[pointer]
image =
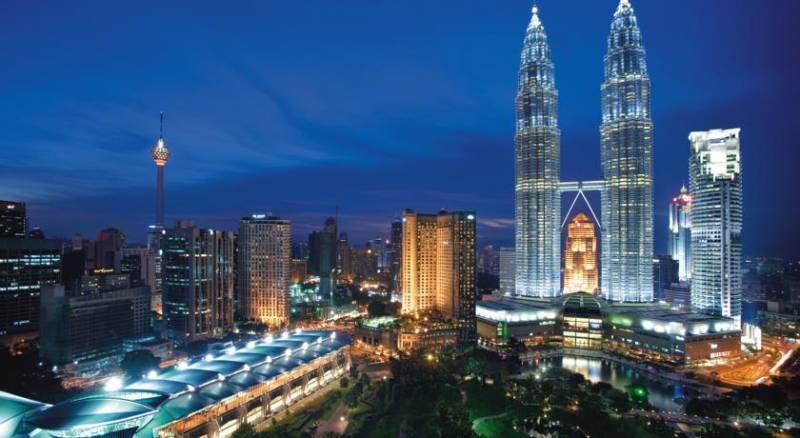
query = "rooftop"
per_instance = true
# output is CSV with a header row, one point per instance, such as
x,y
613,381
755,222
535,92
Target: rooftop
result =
x,y
167,395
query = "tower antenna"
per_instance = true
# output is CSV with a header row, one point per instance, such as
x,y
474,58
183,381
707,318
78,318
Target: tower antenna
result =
x,y
161,127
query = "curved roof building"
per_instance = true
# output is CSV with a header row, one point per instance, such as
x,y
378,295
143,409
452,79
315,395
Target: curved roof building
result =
x,y
210,396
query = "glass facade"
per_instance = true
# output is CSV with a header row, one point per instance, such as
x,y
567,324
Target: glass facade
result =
x,y
538,163
580,256
715,181
627,161
25,265
197,281
680,233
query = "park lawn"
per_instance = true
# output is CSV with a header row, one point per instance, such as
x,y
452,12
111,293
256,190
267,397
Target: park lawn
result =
x,y
497,428
484,400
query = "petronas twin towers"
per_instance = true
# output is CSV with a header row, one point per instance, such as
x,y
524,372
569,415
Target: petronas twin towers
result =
x,y
626,155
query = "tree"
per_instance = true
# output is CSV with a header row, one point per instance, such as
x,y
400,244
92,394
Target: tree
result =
x,y
138,362
245,431
454,422
377,308
343,382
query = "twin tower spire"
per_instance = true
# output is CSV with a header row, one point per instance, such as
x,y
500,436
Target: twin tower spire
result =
x,y
626,153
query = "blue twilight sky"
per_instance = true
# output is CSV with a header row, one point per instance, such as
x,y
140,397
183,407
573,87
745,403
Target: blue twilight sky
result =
x,y
297,107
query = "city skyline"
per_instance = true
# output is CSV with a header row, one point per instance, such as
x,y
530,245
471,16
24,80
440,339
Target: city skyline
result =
x,y
222,157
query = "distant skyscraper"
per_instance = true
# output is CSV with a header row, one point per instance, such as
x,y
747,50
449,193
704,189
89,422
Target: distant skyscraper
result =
x,y
680,233
580,256
197,281
13,219
487,261
439,266
715,181
665,274
627,161
397,252
264,268
344,261
507,260
538,163
322,255
108,249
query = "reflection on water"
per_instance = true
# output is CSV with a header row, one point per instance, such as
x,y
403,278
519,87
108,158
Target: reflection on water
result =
x,y
663,396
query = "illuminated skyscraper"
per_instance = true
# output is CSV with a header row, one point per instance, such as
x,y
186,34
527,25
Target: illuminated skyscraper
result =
x,y
680,233
627,161
438,266
715,181
538,162
13,220
197,281
506,260
580,256
264,268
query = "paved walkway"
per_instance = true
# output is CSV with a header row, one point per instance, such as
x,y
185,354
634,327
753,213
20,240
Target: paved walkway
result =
x,y
335,424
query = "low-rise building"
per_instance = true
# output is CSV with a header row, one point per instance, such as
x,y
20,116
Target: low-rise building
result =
x,y
649,331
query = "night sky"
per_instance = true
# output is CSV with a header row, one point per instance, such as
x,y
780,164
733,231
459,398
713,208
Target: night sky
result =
x,y
297,107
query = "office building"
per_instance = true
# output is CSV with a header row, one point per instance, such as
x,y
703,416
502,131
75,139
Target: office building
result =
x,y
715,182
108,250
665,273
85,329
538,164
507,261
580,256
439,267
264,268
25,265
13,220
344,260
136,261
679,242
396,243
197,281
322,256
627,161
488,262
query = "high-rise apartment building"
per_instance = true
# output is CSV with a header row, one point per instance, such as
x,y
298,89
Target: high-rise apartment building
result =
x,y
197,281
715,182
438,266
507,260
538,164
580,256
627,162
13,220
679,243
264,268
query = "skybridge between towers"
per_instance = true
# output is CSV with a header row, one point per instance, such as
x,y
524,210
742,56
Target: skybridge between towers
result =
x,y
579,187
